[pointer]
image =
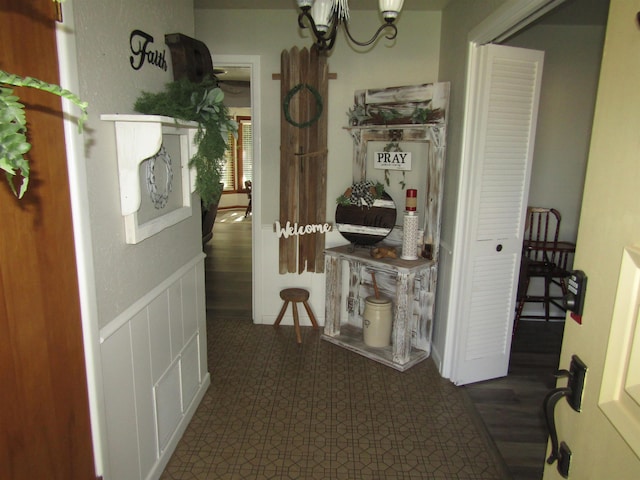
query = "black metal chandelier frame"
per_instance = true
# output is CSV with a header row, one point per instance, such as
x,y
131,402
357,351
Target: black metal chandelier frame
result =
x,y
325,40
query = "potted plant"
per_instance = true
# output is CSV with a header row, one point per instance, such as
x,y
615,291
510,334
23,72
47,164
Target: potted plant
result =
x,y
202,103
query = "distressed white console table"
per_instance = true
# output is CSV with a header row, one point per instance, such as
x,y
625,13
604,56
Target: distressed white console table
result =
x,y
410,284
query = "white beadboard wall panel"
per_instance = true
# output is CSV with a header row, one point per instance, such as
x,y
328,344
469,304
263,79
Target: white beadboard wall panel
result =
x,y
189,304
159,335
146,419
190,371
175,318
168,404
201,310
120,406
155,373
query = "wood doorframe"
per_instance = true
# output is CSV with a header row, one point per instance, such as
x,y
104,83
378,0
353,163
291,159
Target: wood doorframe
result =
x,y
511,17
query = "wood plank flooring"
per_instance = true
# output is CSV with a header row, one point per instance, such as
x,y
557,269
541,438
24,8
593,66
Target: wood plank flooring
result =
x,y
228,269
510,407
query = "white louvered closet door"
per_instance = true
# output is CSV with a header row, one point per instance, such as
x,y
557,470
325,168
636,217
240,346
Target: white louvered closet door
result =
x,y
506,110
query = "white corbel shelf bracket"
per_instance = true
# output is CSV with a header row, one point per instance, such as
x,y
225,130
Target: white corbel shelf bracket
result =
x,y
139,137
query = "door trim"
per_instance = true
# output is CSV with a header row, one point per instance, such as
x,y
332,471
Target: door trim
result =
x,y
79,193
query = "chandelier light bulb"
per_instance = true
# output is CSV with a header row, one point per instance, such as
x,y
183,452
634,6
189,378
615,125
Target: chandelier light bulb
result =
x,y
390,9
321,12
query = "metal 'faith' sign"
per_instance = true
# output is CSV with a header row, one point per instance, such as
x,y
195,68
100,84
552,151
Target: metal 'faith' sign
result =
x,y
392,160
141,51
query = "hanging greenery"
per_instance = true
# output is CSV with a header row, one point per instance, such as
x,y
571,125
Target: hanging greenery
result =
x,y
202,103
393,147
13,126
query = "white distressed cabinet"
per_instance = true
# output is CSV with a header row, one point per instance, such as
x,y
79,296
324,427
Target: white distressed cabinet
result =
x,y
410,284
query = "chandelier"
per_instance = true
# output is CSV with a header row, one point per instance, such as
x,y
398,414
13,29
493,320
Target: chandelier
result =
x,y
324,17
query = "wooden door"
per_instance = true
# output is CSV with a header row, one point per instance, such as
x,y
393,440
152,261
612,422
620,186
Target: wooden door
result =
x,y
501,147
604,437
45,428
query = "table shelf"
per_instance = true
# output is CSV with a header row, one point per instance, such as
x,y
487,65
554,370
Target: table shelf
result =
x,y
410,284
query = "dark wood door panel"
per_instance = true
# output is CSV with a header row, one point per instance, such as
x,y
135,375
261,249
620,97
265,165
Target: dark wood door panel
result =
x,y
44,420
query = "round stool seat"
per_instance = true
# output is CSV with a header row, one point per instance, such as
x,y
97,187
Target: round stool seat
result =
x,y
294,294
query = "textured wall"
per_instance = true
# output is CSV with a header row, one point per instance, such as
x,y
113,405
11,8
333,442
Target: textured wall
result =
x,y
110,85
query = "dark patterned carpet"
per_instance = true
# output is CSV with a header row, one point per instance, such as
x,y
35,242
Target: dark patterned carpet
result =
x,y
276,410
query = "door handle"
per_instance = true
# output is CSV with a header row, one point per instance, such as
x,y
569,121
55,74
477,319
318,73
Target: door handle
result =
x,y
573,393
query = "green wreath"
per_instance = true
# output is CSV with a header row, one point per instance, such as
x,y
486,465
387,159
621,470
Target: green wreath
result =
x,y
287,100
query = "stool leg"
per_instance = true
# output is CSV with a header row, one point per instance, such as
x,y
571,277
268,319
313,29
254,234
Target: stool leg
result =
x,y
296,322
311,315
281,314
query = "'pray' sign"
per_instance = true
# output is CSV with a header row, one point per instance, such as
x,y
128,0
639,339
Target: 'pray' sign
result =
x,y
392,160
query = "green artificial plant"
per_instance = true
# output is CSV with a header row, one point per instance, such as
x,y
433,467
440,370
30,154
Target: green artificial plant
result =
x,y
13,125
202,103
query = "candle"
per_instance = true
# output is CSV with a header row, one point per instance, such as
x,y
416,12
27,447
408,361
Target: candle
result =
x,y
412,200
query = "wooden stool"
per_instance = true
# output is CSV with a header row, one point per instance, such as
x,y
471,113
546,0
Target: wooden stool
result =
x,y
295,295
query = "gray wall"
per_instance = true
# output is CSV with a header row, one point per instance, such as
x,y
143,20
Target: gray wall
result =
x,y
108,82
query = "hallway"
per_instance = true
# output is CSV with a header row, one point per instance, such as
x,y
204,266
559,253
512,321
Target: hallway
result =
x,y
277,410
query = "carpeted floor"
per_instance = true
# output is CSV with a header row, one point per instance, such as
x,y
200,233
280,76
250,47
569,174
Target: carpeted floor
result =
x,y
276,410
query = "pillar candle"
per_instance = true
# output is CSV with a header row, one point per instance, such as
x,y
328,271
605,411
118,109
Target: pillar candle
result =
x,y
412,200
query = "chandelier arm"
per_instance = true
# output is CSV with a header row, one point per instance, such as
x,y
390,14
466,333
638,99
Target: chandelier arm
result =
x,y
324,40
389,36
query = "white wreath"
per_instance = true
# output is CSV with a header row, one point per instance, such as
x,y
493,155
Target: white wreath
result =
x,y
159,200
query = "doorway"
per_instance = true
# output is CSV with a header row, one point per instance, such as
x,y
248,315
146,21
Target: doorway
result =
x,y
460,319
239,79
573,46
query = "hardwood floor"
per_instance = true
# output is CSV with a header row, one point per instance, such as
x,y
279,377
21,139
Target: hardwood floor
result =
x,y
228,271
510,407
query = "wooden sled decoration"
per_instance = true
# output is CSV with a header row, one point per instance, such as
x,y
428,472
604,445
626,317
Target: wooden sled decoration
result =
x,y
303,157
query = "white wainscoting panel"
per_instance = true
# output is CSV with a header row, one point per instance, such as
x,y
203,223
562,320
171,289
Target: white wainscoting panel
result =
x,y
154,358
159,335
168,404
146,418
120,406
190,371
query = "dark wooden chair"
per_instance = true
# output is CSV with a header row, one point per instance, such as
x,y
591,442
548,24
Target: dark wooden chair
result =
x,y
247,186
543,256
